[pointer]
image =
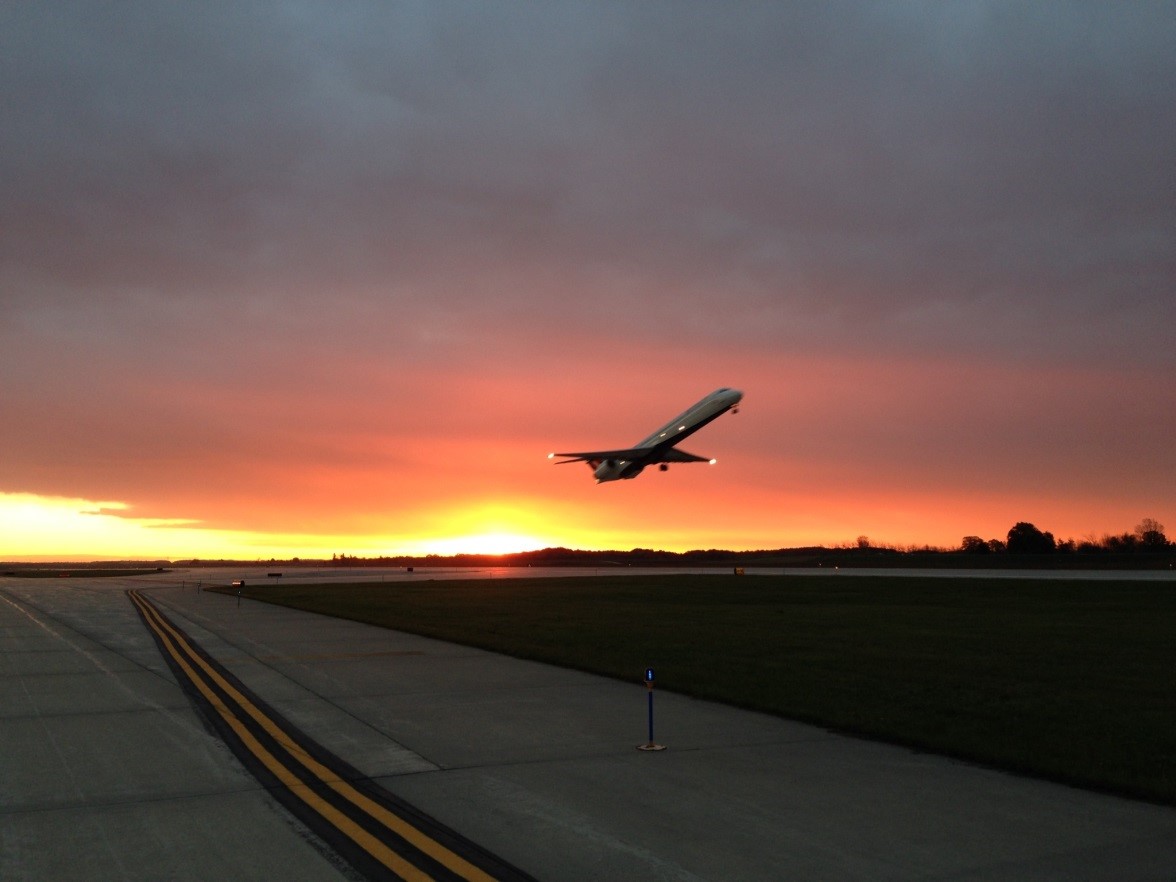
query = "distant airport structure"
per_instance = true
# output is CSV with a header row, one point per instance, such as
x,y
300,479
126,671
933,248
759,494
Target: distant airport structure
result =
x,y
660,446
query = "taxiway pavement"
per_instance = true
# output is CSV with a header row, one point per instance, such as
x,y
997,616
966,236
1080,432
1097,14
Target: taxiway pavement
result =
x,y
107,770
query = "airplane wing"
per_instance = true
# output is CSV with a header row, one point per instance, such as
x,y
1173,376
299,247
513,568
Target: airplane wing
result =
x,y
630,453
676,455
646,454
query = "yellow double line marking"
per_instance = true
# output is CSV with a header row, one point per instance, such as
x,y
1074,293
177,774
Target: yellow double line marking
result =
x,y
182,652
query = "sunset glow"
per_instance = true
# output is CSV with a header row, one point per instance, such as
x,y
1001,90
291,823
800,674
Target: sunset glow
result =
x,y
302,285
102,531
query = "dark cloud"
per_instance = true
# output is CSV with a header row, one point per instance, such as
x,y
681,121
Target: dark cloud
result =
x,y
873,155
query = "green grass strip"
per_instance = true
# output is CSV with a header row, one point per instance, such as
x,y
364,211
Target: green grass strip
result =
x,y
1074,681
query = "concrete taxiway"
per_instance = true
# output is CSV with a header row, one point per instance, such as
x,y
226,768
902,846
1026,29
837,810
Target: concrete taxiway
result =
x,y
108,771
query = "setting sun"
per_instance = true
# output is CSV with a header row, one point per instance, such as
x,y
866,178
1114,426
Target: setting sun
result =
x,y
487,527
483,543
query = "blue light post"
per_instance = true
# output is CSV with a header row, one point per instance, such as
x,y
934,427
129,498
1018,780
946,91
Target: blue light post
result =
x,y
650,744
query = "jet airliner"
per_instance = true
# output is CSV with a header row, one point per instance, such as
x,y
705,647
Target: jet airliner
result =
x,y
659,447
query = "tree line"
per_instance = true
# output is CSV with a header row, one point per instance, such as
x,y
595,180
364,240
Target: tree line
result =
x,y
1025,538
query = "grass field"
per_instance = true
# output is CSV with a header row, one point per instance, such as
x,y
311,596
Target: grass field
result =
x,y
1070,680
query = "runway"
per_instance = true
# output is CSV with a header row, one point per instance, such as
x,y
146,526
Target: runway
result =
x,y
110,770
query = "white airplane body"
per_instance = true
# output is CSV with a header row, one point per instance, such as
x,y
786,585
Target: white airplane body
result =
x,y
659,447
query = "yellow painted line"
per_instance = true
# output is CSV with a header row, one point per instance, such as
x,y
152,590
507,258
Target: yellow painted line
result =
x,y
393,822
365,840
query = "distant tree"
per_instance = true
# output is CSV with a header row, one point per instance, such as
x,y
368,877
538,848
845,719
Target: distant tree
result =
x,y
1150,534
1121,542
1024,538
863,542
996,546
974,545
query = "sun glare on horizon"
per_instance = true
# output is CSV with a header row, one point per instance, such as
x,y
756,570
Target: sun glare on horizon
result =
x,y
36,527
481,543
62,529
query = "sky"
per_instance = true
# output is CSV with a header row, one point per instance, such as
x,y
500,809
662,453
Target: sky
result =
x,y
298,279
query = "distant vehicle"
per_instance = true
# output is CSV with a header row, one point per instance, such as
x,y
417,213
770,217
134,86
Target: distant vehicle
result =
x,y
659,448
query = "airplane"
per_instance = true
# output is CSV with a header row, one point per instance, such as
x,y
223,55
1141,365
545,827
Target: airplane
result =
x,y
660,447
